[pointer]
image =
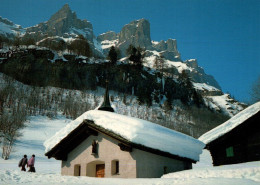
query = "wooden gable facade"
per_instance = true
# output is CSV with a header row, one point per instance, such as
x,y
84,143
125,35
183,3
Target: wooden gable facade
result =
x,y
241,144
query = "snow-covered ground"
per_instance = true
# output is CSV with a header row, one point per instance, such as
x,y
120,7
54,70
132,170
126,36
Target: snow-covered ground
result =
x,y
40,128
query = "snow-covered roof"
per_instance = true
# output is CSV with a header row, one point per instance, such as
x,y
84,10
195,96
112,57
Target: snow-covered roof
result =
x,y
230,124
136,131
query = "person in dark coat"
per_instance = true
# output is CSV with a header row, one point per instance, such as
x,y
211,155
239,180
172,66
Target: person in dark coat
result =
x,y
31,164
23,162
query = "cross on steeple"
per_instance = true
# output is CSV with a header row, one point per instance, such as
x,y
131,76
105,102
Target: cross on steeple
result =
x,y
106,106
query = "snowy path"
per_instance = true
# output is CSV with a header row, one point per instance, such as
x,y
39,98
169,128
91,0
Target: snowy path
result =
x,y
248,174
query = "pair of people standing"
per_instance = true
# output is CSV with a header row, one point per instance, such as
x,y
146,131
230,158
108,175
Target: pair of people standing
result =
x,y
30,163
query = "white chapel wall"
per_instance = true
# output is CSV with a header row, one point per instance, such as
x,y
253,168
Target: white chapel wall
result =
x,y
133,164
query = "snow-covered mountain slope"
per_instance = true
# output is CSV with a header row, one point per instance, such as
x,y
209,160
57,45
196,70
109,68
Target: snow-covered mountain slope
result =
x,y
224,103
205,87
176,67
9,29
107,44
216,100
64,25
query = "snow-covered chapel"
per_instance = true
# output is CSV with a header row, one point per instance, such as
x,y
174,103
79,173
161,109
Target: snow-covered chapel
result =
x,y
101,143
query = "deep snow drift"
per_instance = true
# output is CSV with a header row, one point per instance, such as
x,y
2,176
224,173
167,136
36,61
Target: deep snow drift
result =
x,y
48,170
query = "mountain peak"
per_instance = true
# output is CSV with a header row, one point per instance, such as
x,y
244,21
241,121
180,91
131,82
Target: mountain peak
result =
x,y
64,12
63,23
66,7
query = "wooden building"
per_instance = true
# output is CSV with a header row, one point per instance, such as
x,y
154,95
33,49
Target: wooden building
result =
x,y
237,140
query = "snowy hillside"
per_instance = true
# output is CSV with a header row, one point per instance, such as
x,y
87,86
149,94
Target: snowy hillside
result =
x,y
213,97
64,25
37,130
224,103
48,170
8,28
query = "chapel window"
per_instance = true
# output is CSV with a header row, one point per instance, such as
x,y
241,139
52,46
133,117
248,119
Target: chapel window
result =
x,y
115,167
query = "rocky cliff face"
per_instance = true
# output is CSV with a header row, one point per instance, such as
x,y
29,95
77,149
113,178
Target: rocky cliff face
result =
x,y
136,33
63,23
198,74
110,35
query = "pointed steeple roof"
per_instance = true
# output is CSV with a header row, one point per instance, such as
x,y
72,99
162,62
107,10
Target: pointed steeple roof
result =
x,y
106,106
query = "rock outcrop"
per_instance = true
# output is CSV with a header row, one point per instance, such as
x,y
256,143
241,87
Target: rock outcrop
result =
x,y
168,49
63,23
110,35
136,33
198,74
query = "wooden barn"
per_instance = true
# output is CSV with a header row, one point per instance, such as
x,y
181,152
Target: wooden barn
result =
x,y
237,140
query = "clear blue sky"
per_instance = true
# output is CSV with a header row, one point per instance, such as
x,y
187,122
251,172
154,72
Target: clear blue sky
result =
x,y
223,35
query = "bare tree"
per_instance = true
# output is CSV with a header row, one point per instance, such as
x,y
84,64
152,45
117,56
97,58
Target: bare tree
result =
x,y
9,131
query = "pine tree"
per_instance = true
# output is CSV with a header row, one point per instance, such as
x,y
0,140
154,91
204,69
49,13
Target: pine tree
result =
x,y
112,55
187,87
135,55
160,64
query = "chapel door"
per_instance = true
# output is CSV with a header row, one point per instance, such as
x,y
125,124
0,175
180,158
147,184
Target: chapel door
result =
x,y
100,170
